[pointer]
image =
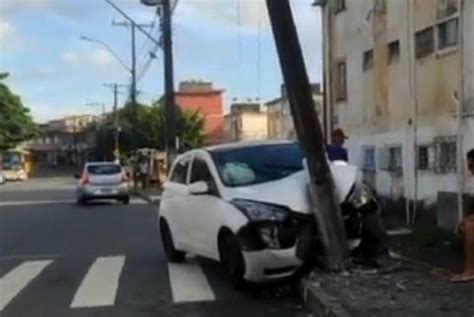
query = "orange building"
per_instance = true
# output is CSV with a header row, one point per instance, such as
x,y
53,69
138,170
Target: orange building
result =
x,y
201,96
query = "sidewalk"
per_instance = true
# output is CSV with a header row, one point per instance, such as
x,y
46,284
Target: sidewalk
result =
x,y
419,287
151,195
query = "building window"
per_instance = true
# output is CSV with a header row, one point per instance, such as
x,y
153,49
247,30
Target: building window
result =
x,y
448,34
446,8
339,5
445,154
368,60
423,157
424,42
393,51
395,163
369,159
341,81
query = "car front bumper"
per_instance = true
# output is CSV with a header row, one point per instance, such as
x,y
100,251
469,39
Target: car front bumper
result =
x,y
268,265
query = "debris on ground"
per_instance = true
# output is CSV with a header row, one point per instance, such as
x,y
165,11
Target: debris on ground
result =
x,y
406,290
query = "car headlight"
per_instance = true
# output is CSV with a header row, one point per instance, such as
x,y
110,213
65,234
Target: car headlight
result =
x,y
360,196
257,211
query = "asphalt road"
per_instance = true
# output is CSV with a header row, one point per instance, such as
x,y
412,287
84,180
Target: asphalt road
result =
x,y
59,259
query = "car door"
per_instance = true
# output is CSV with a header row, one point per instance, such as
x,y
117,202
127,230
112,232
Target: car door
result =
x,y
208,209
174,196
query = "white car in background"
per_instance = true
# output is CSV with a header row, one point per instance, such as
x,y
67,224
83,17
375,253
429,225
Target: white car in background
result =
x,y
3,179
246,205
103,180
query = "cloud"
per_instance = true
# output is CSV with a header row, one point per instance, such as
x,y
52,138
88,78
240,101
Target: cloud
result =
x,y
96,58
61,7
9,35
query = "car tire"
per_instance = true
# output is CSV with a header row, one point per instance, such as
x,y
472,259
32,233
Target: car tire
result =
x,y
232,259
81,201
173,255
126,201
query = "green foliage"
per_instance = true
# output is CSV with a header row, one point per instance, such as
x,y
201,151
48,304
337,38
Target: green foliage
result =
x,y
16,124
151,129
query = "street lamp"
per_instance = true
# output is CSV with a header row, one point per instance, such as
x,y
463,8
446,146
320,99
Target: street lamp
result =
x,y
109,49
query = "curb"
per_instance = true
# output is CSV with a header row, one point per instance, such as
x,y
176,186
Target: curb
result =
x,y
318,302
146,198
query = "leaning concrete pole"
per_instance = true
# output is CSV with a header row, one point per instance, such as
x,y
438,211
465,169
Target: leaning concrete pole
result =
x,y
327,213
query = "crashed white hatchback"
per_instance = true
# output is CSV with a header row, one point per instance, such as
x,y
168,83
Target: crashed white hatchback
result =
x,y
246,205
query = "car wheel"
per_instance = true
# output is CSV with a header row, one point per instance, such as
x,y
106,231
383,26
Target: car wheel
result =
x,y
81,201
232,259
173,255
126,201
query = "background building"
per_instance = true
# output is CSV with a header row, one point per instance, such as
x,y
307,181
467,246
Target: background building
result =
x,y
280,122
201,96
395,70
63,142
246,122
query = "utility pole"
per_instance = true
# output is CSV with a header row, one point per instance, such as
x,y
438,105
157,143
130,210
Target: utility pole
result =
x,y
330,228
171,140
133,86
115,90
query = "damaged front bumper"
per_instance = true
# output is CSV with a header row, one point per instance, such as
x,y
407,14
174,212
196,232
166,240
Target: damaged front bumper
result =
x,y
271,249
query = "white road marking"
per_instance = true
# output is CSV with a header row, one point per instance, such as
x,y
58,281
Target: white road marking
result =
x,y
55,202
12,283
188,283
28,257
36,202
100,284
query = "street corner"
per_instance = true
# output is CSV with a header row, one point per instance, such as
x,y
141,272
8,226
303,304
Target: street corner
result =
x,y
407,290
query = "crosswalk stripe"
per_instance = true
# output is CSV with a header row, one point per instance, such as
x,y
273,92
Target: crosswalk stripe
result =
x,y
12,283
188,283
100,284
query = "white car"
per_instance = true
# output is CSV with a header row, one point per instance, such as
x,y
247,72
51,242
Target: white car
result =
x,y
246,205
3,179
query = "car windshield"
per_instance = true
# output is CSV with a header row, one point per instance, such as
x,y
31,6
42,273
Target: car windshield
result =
x,y
257,164
111,169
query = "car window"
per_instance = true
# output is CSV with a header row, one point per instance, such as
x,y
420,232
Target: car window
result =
x,y
111,169
257,164
200,172
180,171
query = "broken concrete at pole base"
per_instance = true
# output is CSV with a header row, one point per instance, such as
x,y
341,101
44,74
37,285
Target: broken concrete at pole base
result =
x,y
407,291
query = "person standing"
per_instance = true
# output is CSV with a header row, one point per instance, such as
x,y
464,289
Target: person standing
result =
x,y
336,150
144,170
468,227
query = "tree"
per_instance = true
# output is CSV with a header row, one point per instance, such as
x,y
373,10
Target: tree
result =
x,y
16,123
151,129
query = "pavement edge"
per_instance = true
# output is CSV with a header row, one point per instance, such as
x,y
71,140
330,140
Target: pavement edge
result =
x,y
318,302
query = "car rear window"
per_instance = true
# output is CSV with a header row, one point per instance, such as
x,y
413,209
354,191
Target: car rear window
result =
x,y
111,169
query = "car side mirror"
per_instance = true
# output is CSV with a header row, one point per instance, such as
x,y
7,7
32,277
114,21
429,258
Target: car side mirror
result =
x,y
198,188
77,176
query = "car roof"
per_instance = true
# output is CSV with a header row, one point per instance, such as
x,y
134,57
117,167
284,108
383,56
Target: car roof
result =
x,y
245,144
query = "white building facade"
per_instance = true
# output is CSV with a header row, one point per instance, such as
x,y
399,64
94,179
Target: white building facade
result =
x,y
396,72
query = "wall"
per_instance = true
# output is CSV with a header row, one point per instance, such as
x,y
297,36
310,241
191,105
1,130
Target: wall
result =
x,y
254,126
211,107
402,102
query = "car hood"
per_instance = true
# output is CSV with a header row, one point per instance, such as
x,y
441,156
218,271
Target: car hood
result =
x,y
292,191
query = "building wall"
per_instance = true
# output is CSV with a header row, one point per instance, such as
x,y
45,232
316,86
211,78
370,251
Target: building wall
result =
x,y
274,109
398,102
210,104
246,126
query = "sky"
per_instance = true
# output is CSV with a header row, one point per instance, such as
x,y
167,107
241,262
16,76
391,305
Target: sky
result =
x,y
228,42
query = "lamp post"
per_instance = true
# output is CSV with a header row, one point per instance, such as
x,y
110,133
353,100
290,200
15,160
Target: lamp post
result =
x,y
109,49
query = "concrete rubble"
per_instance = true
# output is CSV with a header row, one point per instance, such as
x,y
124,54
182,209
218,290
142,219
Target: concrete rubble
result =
x,y
406,291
